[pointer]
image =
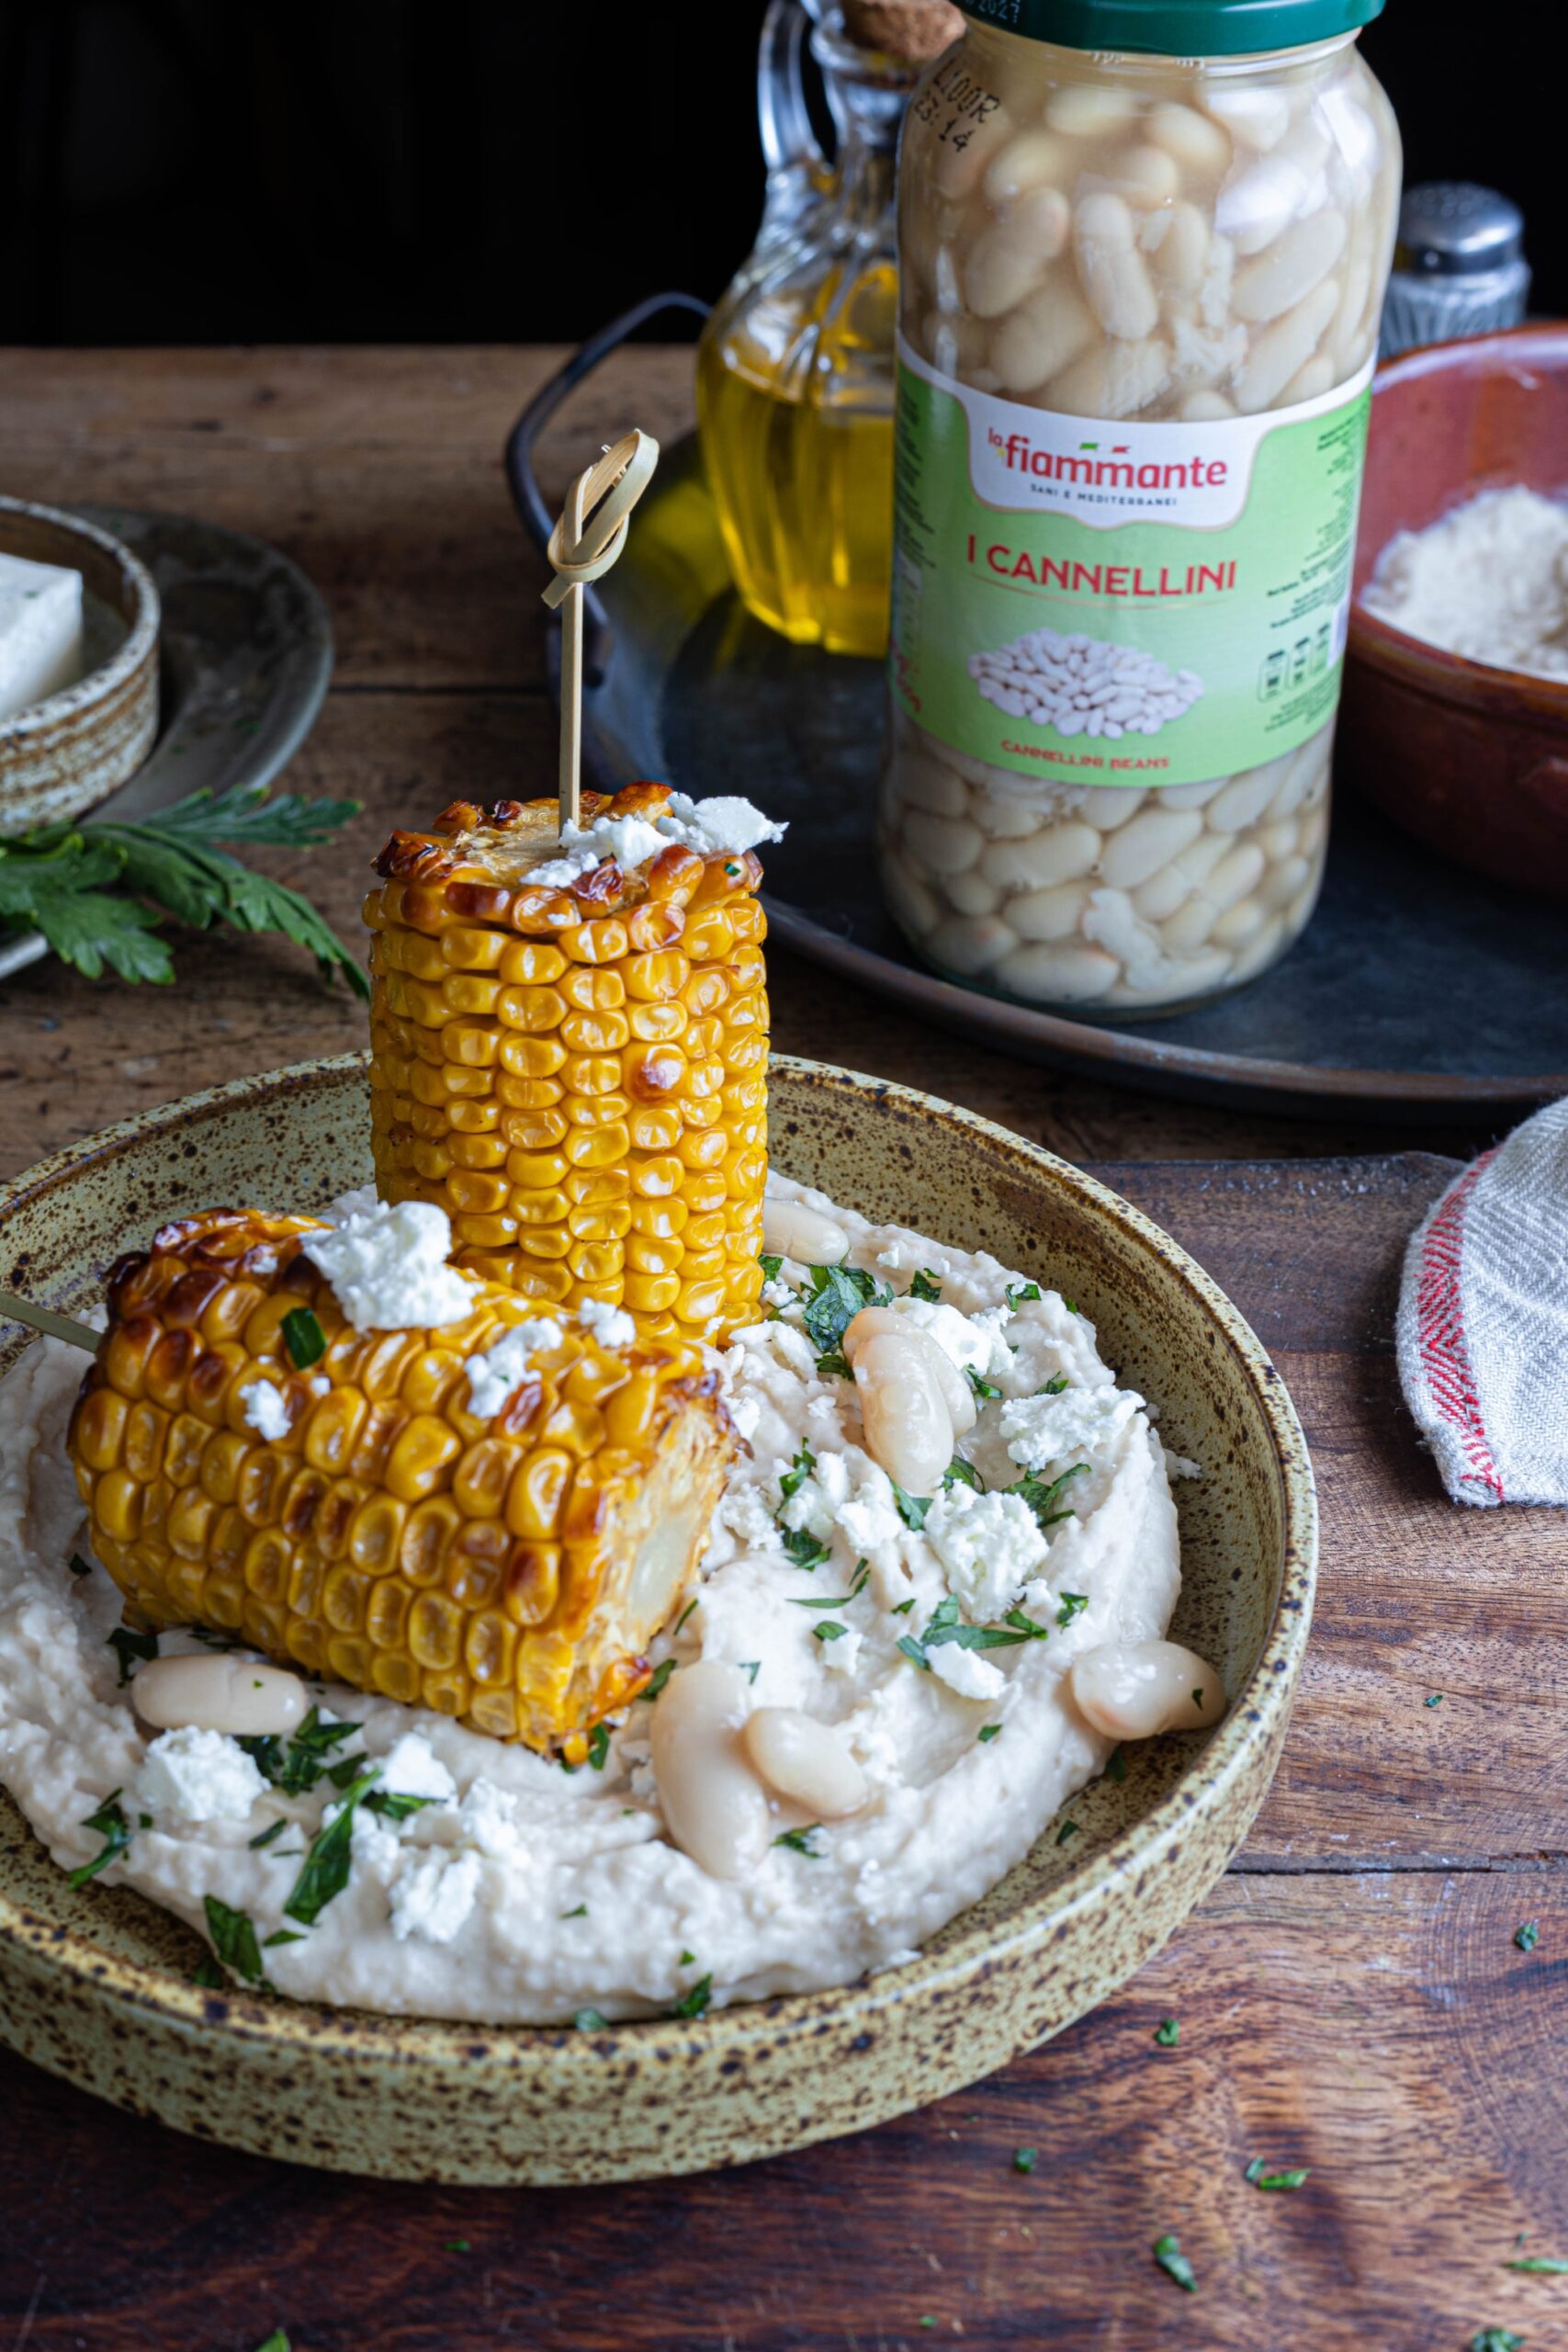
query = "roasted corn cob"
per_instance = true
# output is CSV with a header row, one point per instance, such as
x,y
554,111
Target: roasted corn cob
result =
x,y
508,1569
576,1075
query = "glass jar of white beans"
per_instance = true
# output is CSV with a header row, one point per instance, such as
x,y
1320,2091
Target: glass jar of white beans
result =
x,y
1140,286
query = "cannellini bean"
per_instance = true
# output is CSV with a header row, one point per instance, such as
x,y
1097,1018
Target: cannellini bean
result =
x,y
1355,285
958,169
909,1429
1206,408
805,1762
966,943
1132,1689
1234,875
1284,347
1182,254
1309,381
1196,144
1190,926
1009,820
1239,924
1265,946
956,1393
1243,800
1087,109
1109,806
1048,914
1289,267
1148,843
926,784
1112,272
713,1804
1192,796
947,845
1056,854
1043,336
792,1230
1162,893
1059,975
1040,221
1255,118
1145,175
999,273
1113,380
1029,160
911,902
973,895
236,1695
1252,208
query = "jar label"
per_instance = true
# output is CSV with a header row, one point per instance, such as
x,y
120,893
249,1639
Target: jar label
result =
x,y
1121,602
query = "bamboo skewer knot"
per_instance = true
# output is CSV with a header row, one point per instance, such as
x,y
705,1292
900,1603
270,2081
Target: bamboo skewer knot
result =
x,y
584,544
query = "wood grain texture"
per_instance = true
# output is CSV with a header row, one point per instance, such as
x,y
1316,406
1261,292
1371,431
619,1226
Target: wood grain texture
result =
x,y
1350,1996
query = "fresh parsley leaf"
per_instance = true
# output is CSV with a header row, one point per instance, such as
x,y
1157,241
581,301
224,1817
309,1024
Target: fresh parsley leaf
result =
x,y
392,1805
580,1913
1069,1829
912,1508
274,1829
131,1650
770,1264
1016,1294
1025,2159
1259,2179
1173,2263
1042,1498
695,2002
304,1337
750,1667
1496,2339
837,1295
983,1389
209,1975
829,1632
306,1757
945,1626
326,1870
959,1470
687,1610
1116,1765
275,2342
599,1741
112,1827
280,1936
1057,1385
902,1608
799,1470
815,1601
1435,1700
234,1941
1529,1935
661,1677
1167,2033
925,1285
457,2246
1072,1604
988,1732
798,1841
802,1548
590,2022
1545,2266
1071,1305
834,1367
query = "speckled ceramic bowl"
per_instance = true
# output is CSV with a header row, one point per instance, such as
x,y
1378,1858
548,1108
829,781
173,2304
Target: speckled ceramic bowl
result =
x,y
96,1986
61,757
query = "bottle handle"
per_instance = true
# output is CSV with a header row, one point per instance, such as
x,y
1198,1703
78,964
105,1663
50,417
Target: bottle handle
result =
x,y
798,172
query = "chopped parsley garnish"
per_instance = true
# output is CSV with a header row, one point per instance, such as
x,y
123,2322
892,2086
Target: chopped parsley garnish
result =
x,y
457,2245
661,1677
590,2022
988,1732
799,1470
802,1548
828,1631
304,1339
945,1625
752,1668
1496,2339
1069,1829
834,1367
1116,1764
599,1747
958,1469
798,1841
815,1601
1545,2266
325,1873
694,2003
131,1651
902,1608
912,1508
1259,2179
112,1827
1435,1700
1167,2033
770,1263
1529,1935
1071,1305
1025,2159
234,1941
1042,1498
1054,1386
79,1566
1072,1604
983,1389
274,1829
925,1285
306,1757
836,1296
1016,1294
686,1611
580,1913
392,1805
1173,2263
280,1936
275,2342
209,1976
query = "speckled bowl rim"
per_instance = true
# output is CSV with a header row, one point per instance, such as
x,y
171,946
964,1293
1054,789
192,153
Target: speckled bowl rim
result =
x,y
42,718
1256,1715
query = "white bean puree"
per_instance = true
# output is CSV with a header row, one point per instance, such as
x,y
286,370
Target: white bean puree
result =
x,y
494,1884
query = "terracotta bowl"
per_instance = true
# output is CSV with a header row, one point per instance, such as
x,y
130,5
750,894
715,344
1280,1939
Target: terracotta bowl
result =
x,y
96,1986
1472,760
61,756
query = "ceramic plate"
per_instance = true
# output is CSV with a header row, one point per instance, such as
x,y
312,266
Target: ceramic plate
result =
x,y
98,1985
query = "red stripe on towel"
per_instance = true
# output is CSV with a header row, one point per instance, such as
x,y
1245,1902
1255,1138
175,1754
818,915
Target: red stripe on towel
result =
x,y
1445,1352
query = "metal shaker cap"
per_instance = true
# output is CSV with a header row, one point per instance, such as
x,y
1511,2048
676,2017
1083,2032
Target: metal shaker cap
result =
x,y
1454,229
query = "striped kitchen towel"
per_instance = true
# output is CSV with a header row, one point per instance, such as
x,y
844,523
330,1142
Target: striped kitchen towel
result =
x,y
1483,1326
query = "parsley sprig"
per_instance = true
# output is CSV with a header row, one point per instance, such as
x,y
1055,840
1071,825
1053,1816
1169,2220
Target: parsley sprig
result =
x,y
112,1827
98,891
945,1625
1043,1498
296,1765
834,1299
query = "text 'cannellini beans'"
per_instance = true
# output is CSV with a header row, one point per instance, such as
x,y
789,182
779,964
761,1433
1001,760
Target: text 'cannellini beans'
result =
x,y
1132,1689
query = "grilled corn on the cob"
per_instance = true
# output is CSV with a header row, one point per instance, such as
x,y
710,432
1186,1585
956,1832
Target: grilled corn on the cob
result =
x,y
509,1569
576,1075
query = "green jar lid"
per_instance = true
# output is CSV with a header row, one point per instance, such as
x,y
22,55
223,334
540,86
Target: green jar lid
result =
x,y
1177,27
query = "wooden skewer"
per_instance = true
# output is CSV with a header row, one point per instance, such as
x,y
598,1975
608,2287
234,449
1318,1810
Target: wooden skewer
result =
x,y
44,1318
584,544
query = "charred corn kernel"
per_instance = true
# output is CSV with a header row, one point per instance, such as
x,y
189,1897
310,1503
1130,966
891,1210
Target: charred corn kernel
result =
x,y
510,1570
618,1027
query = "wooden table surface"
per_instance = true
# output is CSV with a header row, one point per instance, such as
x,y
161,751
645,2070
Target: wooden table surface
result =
x,y
1350,1997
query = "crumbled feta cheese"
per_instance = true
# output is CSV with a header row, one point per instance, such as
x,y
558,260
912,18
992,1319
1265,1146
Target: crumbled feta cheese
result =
x,y
779,1293
388,1267
319,1385
610,1326
375,1844
410,1768
264,1409
488,1817
809,1511
493,1375
199,1776
745,1412
711,827
963,1670
954,1334
1180,1466
1045,1431
989,1546
869,1518
434,1894
840,1656
743,1514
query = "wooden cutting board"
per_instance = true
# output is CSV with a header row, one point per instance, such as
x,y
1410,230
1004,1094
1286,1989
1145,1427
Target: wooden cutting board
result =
x,y
1350,1999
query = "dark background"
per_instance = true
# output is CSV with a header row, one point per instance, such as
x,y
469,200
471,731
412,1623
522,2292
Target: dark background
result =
x,y
209,171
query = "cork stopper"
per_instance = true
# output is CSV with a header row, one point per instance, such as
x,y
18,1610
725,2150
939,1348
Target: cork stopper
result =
x,y
910,31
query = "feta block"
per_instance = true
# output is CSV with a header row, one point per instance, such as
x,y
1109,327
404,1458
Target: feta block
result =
x,y
1048,1432
40,632
198,1776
